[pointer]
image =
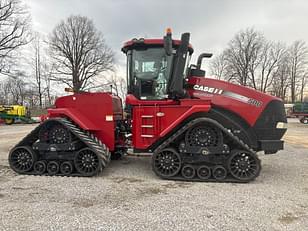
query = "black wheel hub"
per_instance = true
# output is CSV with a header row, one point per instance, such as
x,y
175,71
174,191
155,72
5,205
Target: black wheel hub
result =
x,y
203,136
244,165
21,159
166,163
87,162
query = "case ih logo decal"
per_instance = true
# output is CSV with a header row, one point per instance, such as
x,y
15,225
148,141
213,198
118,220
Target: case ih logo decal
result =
x,y
242,98
206,89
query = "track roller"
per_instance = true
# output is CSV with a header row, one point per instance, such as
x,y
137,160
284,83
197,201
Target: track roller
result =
x,y
66,168
53,168
40,167
204,172
188,172
22,159
219,173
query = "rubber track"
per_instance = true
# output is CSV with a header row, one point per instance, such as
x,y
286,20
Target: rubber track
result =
x,y
86,137
227,132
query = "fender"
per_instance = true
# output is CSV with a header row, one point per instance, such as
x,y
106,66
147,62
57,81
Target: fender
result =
x,y
212,113
74,115
194,109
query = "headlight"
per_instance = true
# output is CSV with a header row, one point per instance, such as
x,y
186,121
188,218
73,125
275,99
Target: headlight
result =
x,y
281,125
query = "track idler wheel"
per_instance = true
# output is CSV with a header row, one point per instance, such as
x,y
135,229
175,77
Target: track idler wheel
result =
x,y
219,173
40,167
204,172
188,172
66,168
87,162
243,165
53,168
22,159
166,163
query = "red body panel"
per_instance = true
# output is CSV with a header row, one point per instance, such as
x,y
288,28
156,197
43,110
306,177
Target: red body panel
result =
x,y
96,112
155,119
247,103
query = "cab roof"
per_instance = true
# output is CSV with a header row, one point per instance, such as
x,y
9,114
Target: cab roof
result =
x,y
142,43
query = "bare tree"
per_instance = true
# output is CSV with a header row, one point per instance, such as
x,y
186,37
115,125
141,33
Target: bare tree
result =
x,y
269,58
298,60
14,29
281,77
250,60
303,84
79,52
219,65
4,92
37,66
15,89
48,70
118,84
242,55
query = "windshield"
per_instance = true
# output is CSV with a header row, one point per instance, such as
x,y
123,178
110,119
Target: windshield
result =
x,y
149,72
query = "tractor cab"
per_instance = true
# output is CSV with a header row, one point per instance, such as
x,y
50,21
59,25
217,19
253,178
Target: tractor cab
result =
x,y
156,67
149,72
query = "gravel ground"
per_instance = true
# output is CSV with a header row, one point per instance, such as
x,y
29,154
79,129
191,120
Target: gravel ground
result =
x,y
128,196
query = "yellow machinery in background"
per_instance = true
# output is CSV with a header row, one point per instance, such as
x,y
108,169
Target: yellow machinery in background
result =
x,y
10,113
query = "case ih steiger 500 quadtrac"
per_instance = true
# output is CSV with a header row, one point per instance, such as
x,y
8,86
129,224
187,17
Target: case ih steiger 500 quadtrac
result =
x,y
196,128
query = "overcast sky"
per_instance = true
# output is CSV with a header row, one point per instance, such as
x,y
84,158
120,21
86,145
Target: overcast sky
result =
x,y
211,23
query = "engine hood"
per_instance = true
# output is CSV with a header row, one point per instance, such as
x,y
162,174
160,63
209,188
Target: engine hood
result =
x,y
244,101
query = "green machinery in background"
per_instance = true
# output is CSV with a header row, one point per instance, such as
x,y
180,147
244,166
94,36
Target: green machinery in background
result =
x,y
300,110
11,113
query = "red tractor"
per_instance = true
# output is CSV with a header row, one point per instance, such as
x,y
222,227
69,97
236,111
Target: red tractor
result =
x,y
197,128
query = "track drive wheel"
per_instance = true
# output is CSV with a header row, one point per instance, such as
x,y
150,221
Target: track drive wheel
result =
x,y
59,134
55,133
166,163
204,135
22,159
87,162
243,165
